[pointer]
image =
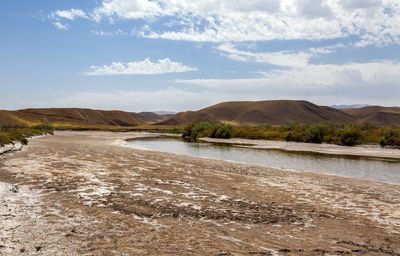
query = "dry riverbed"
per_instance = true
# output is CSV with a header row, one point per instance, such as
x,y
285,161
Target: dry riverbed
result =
x,y
85,193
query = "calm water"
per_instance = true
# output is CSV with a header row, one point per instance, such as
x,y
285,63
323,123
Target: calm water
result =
x,y
358,167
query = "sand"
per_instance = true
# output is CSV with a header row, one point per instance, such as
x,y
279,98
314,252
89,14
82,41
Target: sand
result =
x,y
87,193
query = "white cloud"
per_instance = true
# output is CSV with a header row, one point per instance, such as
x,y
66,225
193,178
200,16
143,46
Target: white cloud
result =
x,y
145,67
137,9
60,26
282,58
314,9
101,33
353,81
69,14
119,32
360,4
171,98
326,49
374,21
372,83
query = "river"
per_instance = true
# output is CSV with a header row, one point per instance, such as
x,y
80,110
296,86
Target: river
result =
x,y
377,169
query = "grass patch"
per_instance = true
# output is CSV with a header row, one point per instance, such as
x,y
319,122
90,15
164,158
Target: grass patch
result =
x,y
144,128
20,133
327,132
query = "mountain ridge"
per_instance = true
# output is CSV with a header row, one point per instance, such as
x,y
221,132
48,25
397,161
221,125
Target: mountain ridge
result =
x,y
68,117
376,115
274,112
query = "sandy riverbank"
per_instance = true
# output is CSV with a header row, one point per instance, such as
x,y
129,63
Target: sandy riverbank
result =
x,y
84,193
360,150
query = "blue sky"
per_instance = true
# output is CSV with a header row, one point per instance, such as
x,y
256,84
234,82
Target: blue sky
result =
x,y
147,55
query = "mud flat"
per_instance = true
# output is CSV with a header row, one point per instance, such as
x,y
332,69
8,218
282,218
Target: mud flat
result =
x,y
85,193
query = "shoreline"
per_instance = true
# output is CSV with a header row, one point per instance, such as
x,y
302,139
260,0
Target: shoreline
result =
x,y
9,148
328,149
393,181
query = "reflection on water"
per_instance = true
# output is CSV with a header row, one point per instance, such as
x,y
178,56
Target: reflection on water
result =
x,y
358,167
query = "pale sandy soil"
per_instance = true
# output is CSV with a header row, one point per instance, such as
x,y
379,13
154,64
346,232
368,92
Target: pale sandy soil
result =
x,y
87,194
361,150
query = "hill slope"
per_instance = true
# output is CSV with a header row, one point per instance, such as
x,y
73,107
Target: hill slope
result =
x,y
274,112
9,119
69,117
389,116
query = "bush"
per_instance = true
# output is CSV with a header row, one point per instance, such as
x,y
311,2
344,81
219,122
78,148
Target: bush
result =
x,y
294,126
222,131
337,133
4,140
44,128
16,136
350,135
391,137
188,130
314,134
294,136
197,129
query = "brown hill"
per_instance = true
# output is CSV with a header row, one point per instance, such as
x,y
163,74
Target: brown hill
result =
x,y
387,116
9,119
69,117
273,112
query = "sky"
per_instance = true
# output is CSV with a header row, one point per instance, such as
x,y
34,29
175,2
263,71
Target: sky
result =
x,y
177,55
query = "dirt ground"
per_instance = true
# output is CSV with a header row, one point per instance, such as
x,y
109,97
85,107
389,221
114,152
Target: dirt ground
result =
x,y
84,193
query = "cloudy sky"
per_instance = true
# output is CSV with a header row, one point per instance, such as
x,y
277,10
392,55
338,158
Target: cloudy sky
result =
x,y
146,55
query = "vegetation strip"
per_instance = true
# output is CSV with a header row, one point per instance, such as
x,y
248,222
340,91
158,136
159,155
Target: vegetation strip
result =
x,y
329,132
20,133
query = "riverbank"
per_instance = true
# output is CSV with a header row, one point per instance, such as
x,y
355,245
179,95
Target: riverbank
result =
x,y
84,193
8,148
324,148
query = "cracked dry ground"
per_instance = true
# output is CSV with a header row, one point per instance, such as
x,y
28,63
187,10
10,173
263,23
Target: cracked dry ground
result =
x,y
82,194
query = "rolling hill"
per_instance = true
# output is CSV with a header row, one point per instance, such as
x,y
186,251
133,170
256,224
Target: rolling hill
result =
x,y
68,117
388,116
273,112
8,118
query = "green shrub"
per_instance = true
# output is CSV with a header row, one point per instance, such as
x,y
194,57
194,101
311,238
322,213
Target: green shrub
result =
x,y
17,136
221,131
337,133
295,136
4,140
314,134
350,135
44,128
197,129
391,137
294,126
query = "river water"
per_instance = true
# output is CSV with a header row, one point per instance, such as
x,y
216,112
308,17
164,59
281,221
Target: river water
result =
x,y
385,170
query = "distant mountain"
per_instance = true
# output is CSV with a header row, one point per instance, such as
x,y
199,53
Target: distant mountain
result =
x,y
151,117
273,112
387,116
163,113
68,117
349,106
